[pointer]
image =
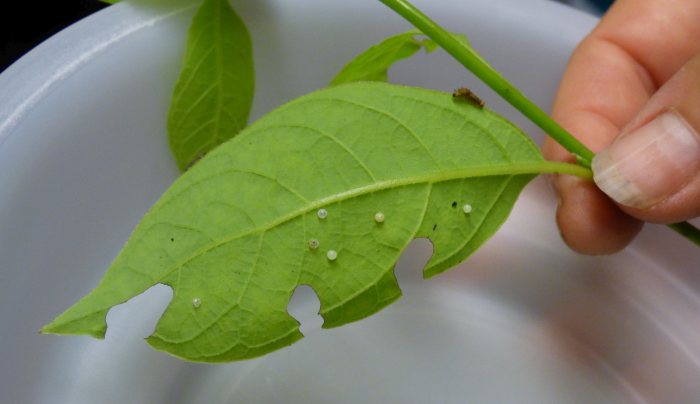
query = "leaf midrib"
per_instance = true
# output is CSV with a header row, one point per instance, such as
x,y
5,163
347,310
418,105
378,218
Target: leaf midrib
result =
x,y
430,178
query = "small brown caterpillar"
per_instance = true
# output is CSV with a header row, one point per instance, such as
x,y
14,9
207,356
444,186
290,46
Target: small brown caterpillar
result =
x,y
465,94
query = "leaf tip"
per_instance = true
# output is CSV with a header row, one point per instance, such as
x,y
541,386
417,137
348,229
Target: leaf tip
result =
x,y
62,329
94,325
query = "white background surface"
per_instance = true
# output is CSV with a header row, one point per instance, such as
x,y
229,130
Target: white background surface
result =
x,y
83,154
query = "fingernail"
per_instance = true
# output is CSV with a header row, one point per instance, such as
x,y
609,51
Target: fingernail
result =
x,y
644,167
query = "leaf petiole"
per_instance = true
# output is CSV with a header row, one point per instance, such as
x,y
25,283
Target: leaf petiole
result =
x,y
554,167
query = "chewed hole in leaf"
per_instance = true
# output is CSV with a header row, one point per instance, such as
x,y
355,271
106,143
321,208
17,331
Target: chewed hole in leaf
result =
x,y
136,318
409,267
304,306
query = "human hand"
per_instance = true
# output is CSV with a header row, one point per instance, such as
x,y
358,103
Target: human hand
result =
x,y
635,80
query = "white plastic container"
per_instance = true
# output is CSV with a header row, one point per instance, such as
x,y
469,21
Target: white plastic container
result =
x,y
83,154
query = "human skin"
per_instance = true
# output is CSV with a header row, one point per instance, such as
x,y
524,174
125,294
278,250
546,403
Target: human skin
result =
x,y
640,63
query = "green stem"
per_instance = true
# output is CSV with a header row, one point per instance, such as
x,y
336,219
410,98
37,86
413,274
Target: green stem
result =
x,y
470,59
688,231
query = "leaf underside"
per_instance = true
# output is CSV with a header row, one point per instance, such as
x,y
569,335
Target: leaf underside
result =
x,y
214,93
374,63
232,234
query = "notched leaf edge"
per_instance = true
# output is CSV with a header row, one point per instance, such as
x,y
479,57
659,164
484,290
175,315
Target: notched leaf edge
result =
x,y
335,315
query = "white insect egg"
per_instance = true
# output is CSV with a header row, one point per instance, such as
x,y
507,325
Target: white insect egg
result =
x,y
379,217
332,255
322,213
196,302
467,208
313,244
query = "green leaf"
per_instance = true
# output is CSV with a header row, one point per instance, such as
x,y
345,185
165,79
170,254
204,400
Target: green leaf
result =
x,y
232,235
374,63
214,93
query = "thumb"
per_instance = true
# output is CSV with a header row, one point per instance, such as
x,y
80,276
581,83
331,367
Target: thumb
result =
x,y
652,168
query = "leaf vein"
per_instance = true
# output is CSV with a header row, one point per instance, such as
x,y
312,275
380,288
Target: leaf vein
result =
x,y
431,178
389,115
335,140
237,303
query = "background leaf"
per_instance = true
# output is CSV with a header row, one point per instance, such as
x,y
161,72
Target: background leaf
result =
x,y
374,63
214,93
232,235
